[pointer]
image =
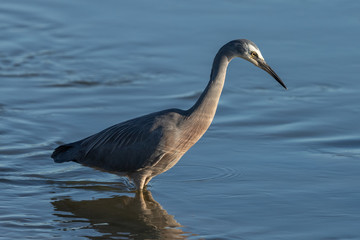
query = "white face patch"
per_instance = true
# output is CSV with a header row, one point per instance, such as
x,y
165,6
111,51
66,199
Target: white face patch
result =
x,y
254,49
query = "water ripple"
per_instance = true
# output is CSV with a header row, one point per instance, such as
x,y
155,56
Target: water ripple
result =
x,y
199,173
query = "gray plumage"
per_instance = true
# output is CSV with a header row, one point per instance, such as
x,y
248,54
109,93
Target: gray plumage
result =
x,y
144,147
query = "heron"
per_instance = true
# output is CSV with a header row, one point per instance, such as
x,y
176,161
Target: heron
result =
x,y
146,146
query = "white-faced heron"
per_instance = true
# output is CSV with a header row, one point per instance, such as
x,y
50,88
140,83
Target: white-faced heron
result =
x,y
144,147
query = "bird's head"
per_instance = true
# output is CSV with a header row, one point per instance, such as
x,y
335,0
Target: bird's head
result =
x,y
248,50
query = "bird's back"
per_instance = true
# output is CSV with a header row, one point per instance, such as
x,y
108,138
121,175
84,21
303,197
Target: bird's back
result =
x,y
127,146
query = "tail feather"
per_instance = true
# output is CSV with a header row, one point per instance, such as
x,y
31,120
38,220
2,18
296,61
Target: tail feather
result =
x,y
65,153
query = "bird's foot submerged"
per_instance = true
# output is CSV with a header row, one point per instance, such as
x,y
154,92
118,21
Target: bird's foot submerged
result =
x,y
140,180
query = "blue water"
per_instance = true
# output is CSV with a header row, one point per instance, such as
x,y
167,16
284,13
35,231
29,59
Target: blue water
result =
x,y
275,164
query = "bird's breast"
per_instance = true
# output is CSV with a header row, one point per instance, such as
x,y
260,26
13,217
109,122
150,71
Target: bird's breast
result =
x,y
192,132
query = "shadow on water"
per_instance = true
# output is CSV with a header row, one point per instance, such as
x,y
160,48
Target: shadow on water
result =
x,y
137,217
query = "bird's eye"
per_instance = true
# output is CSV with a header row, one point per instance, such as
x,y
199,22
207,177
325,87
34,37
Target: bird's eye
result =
x,y
254,54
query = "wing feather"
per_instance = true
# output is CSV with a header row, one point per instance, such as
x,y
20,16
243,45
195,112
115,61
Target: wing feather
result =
x,y
128,146
125,146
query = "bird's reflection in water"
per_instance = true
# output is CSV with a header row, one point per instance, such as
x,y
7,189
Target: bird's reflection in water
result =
x,y
138,217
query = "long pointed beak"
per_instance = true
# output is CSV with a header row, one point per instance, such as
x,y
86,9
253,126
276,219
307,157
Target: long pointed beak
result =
x,y
263,65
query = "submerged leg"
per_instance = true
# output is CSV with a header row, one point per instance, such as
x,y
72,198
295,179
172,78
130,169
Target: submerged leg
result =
x,y
138,180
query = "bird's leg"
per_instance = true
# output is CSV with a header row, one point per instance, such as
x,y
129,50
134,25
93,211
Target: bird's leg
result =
x,y
139,181
147,180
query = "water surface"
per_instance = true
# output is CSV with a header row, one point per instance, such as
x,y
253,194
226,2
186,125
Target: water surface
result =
x,y
275,164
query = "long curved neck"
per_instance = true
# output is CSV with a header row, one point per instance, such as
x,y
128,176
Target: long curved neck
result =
x,y
205,107
199,117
